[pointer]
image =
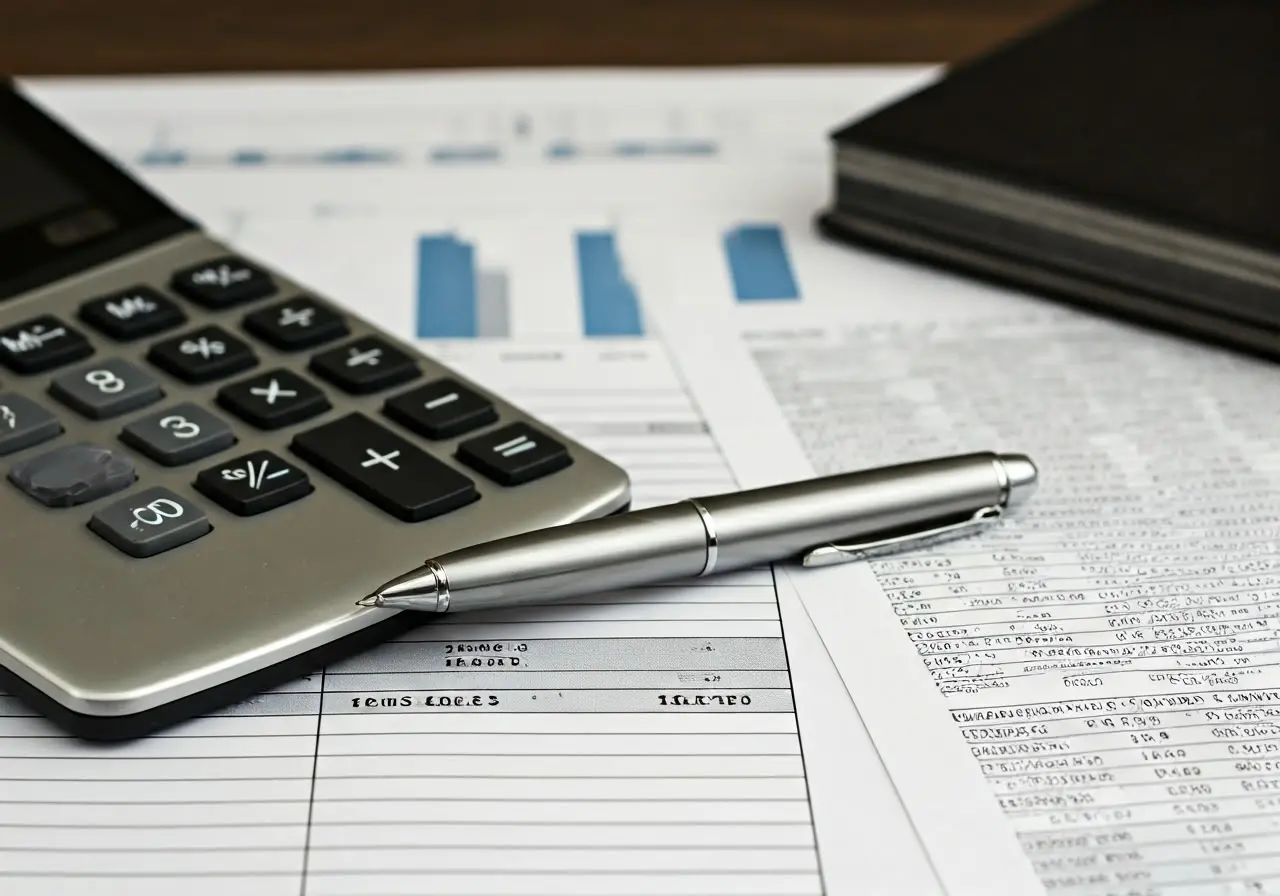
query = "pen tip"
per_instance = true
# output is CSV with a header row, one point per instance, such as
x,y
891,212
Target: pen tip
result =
x,y
373,600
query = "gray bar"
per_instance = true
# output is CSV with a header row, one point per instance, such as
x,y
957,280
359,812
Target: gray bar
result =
x,y
494,700
509,677
493,313
572,654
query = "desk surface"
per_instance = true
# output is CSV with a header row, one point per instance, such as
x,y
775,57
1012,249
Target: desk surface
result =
x,y
46,37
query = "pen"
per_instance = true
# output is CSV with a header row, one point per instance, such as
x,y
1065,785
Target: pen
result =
x,y
831,519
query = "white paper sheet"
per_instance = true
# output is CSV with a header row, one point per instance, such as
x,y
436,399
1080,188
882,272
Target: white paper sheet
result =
x,y
1092,686
567,773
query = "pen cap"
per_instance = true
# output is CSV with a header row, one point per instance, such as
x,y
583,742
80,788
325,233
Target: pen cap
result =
x,y
781,521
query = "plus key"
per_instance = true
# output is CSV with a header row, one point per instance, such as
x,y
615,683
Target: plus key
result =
x,y
384,469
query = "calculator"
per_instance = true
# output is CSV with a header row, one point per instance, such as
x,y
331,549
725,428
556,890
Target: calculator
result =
x,y
205,464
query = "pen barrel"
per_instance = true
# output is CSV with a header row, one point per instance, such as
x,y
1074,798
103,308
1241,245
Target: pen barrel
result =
x,y
782,521
576,559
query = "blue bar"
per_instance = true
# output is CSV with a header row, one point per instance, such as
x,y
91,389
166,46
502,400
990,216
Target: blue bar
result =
x,y
633,148
163,157
610,306
562,149
357,155
445,154
249,157
759,264
446,288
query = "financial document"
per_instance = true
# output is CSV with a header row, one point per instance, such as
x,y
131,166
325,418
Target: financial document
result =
x,y
1094,682
681,739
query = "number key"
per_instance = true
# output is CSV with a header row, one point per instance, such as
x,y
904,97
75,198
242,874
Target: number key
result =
x,y
178,435
24,423
150,522
106,389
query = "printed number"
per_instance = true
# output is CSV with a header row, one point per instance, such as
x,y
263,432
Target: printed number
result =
x,y
156,513
105,380
181,426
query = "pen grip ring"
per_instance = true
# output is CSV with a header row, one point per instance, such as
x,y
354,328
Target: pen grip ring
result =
x,y
713,543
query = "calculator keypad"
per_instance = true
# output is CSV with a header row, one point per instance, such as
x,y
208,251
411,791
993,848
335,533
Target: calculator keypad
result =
x,y
178,435
203,355
108,388
365,365
223,282
132,313
254,483
41,343
296,324
273,399
150,522
70,475
373,460
384,469
24,423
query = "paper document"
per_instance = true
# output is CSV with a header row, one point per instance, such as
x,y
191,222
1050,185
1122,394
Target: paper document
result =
x,y
1094,683
673,740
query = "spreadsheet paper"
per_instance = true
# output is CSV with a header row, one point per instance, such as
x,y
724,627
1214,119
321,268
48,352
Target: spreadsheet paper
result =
x,y
563,749
1092,684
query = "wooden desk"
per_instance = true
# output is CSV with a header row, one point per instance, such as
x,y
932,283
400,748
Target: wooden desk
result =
x,y
40,37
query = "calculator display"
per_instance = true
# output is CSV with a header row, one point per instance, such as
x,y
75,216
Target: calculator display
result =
x,y
63,207
31,190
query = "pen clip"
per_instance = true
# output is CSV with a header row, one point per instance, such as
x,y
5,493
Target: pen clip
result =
x,y
829,554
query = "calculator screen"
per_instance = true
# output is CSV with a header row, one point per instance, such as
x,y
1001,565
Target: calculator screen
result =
x,y
63,207
31,189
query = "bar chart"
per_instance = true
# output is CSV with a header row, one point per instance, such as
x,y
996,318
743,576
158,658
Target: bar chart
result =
x,y
610,305
551,281
759,263
457,297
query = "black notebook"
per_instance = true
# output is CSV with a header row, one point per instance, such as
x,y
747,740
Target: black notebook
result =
x,y
1125,156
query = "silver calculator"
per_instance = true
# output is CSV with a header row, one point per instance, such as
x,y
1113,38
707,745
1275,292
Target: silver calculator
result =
x,y
205,465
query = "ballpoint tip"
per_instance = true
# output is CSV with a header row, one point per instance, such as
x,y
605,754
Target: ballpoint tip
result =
x,y
372,600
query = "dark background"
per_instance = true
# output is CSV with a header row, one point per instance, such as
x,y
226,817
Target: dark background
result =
x,y
90,37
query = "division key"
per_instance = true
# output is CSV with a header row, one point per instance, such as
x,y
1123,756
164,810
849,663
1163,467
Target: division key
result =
x,y
384,469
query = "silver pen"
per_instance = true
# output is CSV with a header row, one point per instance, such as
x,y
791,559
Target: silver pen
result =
x,y
832,519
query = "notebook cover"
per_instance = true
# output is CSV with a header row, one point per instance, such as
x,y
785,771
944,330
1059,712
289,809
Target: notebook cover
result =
x,y
1163,110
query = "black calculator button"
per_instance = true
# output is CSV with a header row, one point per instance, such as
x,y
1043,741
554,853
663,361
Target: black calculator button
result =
x,y
368,364
150,522
223,282
108,388
296,324
71,475
41,343
273,399
514,454
254,483
202,355
178,435
24,423
132,313
441,410
384,469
